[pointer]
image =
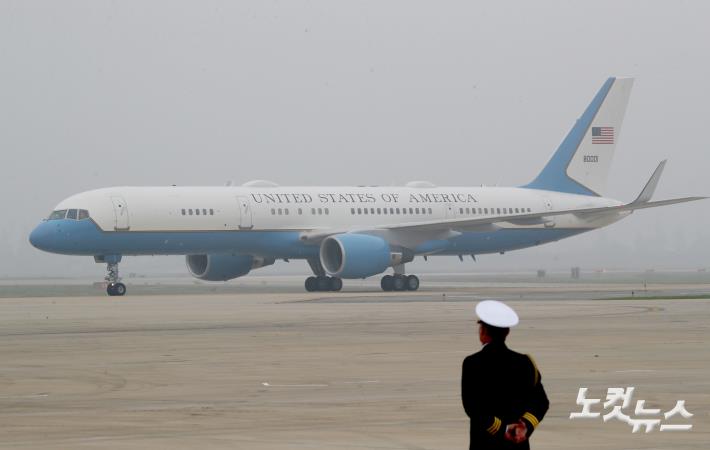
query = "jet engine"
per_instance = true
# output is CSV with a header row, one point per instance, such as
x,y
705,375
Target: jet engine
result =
x,y
355,255
223,267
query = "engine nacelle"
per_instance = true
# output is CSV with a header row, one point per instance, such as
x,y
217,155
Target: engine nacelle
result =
x,y
223,267
354,255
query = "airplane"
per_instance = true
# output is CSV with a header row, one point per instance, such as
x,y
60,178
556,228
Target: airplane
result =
x,y
353,232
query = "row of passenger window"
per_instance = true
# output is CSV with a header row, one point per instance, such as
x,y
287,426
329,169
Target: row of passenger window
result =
x,y
73,214
494,210
196,212
354,211
401,211
390,211
285,211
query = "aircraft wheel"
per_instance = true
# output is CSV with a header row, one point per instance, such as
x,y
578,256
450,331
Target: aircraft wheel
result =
x,y
386,283
412,283
336,284
323,284
119,288
116,289
311,284
399,283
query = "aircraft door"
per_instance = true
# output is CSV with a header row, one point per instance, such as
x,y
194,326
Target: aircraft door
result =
x,y
245,214
451,211
549,222
120,210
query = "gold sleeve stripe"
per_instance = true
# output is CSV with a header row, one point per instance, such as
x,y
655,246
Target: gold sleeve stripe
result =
x,y
537,372
493,429
532,419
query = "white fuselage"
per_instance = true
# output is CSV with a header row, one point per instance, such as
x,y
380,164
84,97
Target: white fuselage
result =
x,y
188,220
309,208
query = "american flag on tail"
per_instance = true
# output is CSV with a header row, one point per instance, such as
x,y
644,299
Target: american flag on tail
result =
x,y
602,135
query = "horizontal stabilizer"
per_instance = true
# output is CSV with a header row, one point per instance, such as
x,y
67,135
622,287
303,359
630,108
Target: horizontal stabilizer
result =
x,y
650,187
672,201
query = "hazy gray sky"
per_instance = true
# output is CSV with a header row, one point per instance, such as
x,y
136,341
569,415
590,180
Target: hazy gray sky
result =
x,y
100,93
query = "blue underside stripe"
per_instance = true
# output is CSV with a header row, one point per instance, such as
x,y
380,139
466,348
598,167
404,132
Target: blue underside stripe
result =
x,y
85,238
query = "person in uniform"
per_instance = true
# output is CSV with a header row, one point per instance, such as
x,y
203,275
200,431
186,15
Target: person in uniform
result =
x,y
501,389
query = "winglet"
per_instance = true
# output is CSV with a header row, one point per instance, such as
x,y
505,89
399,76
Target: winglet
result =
x,y
650,188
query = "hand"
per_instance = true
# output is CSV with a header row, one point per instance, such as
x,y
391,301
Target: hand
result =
x,y
511,432
522,432
516,432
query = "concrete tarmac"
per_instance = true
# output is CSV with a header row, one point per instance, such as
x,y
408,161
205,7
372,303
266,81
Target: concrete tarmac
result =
x,y
362,370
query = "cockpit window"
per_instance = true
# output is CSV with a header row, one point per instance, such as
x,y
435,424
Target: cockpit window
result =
x,y
57,215
71,214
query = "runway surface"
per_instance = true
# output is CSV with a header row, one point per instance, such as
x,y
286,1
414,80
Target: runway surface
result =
x,y
272,369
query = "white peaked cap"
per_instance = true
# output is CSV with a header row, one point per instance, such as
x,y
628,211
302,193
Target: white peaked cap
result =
x,y
497,314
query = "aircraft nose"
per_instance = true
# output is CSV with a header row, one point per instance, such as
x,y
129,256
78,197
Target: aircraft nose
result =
x,y
39,237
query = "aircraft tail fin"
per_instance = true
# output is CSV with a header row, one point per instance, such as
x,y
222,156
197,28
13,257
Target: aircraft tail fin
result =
x,y
582,161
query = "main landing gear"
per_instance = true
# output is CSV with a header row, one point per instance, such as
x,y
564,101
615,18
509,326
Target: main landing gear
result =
x,y
399,282
114,286
323,283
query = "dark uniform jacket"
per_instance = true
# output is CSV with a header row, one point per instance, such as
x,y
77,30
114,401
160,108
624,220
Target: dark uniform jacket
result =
x,y
500,387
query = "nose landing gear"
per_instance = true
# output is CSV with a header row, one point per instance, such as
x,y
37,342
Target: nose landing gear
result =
x,y
114,287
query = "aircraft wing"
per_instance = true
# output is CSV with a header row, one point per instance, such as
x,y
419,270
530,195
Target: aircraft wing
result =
x,y
530,218
643,201
489,223
451,227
